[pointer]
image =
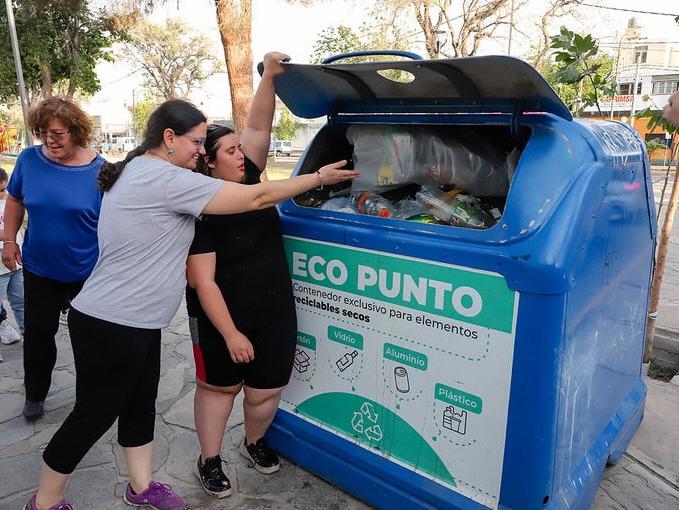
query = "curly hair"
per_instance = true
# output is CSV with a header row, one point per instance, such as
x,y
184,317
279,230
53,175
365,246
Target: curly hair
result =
x,y
65,111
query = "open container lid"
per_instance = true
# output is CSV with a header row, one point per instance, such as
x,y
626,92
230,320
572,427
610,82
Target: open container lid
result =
x,y
473,84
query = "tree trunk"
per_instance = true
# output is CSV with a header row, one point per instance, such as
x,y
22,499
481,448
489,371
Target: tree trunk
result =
x,y
74,48
71,88
663,245
235,27
46,78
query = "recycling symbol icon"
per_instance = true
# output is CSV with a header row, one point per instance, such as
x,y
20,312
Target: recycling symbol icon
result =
x,y
365,422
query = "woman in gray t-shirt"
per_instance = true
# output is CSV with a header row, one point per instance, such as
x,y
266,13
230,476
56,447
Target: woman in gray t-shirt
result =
x,y
146,226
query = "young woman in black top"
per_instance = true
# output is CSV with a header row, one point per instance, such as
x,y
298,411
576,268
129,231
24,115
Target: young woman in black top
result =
x,y
240,301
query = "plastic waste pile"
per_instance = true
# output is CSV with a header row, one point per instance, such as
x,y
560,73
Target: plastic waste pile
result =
x,y
451,178
430,205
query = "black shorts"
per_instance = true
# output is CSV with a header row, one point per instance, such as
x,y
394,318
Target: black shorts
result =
x,y
274,345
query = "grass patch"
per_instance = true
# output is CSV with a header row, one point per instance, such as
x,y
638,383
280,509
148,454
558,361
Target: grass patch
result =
x,y
277,170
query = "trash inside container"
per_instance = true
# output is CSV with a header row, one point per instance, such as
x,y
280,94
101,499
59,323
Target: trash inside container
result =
x,y
483,358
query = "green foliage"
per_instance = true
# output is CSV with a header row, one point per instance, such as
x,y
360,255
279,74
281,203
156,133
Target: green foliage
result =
x,y
579,73
61,42
655,144
343,39
142,110
335,40
655,119
286,127
173,59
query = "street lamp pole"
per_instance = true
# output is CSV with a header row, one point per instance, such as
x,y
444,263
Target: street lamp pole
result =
x,y
634,91
19,71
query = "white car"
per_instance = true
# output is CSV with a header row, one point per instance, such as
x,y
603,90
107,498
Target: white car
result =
x,y
282,148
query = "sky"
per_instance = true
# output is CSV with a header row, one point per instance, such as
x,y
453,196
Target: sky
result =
x,y
293,29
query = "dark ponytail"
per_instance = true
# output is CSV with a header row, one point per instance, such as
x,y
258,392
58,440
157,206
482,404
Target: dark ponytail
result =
x,y
110,172
178,115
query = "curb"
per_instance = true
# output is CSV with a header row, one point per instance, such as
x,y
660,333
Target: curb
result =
x,y
666,348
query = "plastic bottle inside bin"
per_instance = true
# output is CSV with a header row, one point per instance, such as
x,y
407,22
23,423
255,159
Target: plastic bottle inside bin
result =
x,y
372,204
457,210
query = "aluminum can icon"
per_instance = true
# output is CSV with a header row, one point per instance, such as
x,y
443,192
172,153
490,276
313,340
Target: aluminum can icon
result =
x,y
401,379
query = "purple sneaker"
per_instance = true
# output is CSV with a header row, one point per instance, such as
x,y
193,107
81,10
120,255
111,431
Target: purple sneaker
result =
x,y
62,505
159,496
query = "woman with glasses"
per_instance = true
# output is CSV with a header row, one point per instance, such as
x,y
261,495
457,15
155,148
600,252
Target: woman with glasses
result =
x,y
150,203
56,183
240,300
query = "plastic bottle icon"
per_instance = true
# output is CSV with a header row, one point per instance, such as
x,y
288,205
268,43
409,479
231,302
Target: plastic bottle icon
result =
x,y
346,361
372,204
401,380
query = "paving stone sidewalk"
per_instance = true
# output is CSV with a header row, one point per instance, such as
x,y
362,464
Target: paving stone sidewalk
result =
x,y
639,481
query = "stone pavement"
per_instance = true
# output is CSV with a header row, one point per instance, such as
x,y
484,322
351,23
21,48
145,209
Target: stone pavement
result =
x,y
645,478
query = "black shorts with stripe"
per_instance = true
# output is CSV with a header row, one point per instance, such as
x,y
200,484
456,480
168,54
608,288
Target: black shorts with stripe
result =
x,y
273,343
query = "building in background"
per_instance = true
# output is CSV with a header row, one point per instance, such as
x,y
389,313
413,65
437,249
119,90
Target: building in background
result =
x,y
647,75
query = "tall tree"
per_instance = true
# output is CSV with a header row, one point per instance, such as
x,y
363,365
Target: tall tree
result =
x,y
478,20
173,59
61,41
286,127
234,18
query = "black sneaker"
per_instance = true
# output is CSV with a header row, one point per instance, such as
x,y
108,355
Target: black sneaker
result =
x,y
212,478
261,457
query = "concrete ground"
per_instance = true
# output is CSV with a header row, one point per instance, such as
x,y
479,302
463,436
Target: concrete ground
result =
x,y
645,479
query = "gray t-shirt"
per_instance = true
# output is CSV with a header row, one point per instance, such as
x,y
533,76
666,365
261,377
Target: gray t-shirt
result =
x,y
146,226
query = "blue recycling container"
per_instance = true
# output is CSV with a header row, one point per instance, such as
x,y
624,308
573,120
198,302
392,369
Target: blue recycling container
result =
x,y
440,367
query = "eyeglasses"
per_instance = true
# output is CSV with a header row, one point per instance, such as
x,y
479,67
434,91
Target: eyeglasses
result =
x,y
199,142
54,135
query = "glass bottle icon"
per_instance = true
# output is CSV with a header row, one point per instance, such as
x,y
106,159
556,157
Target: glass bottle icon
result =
x,y
346,360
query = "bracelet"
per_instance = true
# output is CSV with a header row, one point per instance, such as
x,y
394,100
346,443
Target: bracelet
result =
x,y
320,179
8,241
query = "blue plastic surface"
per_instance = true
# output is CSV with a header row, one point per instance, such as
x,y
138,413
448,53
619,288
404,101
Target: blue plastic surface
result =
x,y
325,89
576,242
372,53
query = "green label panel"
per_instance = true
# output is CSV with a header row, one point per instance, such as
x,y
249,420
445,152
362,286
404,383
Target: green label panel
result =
x,y
458,398
307,341
405,356
345,337
456,293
